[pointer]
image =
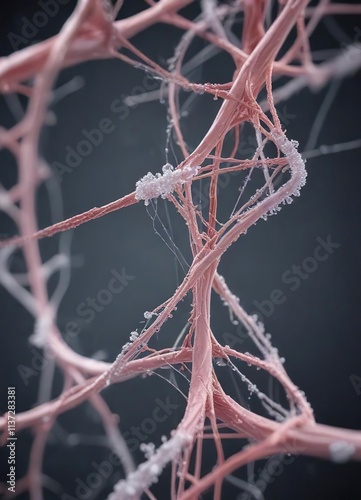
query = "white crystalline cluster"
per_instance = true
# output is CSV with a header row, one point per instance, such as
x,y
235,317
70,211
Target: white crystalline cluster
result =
x,y
297,164
148,449
341,451
147,473
41,329
298,171
133,336
152,186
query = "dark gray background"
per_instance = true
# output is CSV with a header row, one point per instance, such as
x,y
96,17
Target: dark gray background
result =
x,y
317,328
